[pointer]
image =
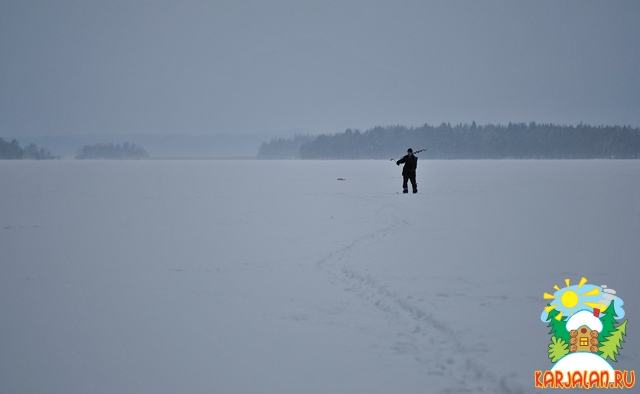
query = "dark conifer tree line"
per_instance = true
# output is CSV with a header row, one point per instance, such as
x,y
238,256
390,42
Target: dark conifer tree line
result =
x,y
280,148
471,141
13,151
111,151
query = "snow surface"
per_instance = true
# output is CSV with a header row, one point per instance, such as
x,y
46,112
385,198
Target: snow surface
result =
x,y
584,318
275,277
583,361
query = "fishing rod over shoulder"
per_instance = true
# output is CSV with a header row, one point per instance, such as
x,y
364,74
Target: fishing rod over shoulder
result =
x,y
415,153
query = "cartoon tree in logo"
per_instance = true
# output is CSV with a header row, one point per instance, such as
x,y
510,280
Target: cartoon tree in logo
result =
x,y
558,347
612,345
609,321
558,326
612,334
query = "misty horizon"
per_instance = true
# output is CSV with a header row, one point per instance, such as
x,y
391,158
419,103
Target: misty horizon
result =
x,y
609,141
194,68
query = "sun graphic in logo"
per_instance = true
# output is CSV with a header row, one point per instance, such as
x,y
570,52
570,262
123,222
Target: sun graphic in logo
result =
x,y
571,299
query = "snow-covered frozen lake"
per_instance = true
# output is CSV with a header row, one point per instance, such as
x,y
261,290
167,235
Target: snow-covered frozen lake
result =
x,y
276,277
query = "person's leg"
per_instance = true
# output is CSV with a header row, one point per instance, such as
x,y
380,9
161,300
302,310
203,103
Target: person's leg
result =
x,y
414,184
405,188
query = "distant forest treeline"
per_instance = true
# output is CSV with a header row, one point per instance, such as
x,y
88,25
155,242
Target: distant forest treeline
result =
x,y
280,148
111,151
13,151
465,141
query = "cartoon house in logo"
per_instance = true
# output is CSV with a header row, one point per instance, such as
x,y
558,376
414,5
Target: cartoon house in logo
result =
x,y
584,327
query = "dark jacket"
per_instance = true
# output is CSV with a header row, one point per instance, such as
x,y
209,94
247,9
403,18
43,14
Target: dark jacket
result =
x,y
410,164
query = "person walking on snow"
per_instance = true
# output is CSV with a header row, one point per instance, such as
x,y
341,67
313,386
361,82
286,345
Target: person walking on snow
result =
x,y
409,171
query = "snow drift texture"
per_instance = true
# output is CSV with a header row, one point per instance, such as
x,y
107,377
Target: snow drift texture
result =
x,y
276,277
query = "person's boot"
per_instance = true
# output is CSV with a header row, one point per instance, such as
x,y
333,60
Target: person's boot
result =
x,y
405,191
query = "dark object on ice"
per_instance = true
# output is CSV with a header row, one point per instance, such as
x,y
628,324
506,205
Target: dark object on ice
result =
x,y
409,170
342,179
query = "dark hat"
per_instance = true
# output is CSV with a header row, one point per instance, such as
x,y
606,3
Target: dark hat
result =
x,y
410,150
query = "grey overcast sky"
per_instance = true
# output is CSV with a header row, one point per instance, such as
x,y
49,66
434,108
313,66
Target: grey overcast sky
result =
x,y
205,67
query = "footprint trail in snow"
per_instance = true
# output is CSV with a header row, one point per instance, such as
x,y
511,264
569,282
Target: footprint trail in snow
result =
x,y
422,335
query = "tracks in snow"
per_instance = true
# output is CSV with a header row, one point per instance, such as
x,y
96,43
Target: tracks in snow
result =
x,y
422,335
